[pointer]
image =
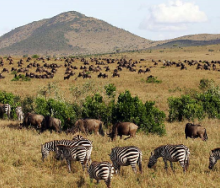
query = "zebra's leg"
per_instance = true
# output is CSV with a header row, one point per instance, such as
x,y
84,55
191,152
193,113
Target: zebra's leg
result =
x,y
165,162
69,164
171,165
133,165
97,182
108,183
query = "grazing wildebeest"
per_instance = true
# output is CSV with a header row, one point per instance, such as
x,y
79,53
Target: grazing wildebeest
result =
x,y
195,131
123,128
33,120
51,123
87,126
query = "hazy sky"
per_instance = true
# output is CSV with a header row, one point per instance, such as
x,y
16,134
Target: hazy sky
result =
x,y
155,20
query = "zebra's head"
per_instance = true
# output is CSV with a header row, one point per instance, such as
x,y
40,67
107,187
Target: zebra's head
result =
x,y
114,160
59,152
212,161
152,160
44,152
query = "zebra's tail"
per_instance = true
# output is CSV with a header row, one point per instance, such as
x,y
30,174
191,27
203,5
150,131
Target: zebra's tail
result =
x,y
140,162
109,175
186,160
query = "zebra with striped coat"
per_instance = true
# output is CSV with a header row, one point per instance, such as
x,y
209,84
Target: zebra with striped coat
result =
x,y
19,113
173,153
5,109
51,146
214,157
101,171
124,156
72,153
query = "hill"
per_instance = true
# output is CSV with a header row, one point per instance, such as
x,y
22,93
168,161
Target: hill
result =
x,y
69,33
73,33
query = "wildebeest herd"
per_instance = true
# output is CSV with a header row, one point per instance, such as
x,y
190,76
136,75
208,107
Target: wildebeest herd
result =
x,y
46,70
80,148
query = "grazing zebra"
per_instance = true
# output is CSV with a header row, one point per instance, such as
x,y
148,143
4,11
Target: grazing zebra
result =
x,y
173,153
101,171
5,109
51,146
124,156
72,153
19,113
214,156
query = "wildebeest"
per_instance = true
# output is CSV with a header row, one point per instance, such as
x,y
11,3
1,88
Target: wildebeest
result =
x,y
123,128
87,126
33,120
195,131
51,123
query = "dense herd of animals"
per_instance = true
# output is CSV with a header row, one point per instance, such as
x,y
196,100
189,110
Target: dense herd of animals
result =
x,y
80,148
86,67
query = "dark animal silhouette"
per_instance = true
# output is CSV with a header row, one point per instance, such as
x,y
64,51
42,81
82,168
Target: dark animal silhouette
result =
x,y
51,123
195,131
123,128
87,126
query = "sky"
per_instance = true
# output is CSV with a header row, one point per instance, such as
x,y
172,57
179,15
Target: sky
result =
x,y
154,20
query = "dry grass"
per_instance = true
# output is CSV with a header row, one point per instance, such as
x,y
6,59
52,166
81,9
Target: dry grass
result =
x,y
20,156
21,164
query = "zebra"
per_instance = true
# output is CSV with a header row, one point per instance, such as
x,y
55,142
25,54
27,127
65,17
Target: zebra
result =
x,y
101,171
124,156
51,146
214,157
173,153
5,109
19,113
72,153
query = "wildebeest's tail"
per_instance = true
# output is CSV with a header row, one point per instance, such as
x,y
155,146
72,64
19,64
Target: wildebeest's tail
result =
x,y
101,131
205,135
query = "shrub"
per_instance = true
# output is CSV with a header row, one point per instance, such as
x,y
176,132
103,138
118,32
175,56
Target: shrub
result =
x,y
35,56
61,110
146,116
184,108
152,79
110,90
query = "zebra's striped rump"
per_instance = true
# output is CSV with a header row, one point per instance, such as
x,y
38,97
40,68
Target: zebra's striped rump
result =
x,y
173,153
214,157
101,171
71,153
124,156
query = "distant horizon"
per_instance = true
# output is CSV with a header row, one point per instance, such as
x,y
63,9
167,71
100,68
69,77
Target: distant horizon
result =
x,y
156,21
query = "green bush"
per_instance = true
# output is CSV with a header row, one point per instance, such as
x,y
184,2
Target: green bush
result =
x,y
61,110
153,80
95,107
146,116
35,56
184,108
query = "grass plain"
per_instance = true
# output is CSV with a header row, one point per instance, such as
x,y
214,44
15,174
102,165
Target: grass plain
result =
x,y
20,156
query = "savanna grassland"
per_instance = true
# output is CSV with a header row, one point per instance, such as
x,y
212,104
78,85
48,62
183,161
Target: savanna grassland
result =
x,y
21,164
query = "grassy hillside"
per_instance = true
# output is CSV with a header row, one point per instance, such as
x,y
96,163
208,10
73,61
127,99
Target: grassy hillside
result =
x,y
69,33
20,156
